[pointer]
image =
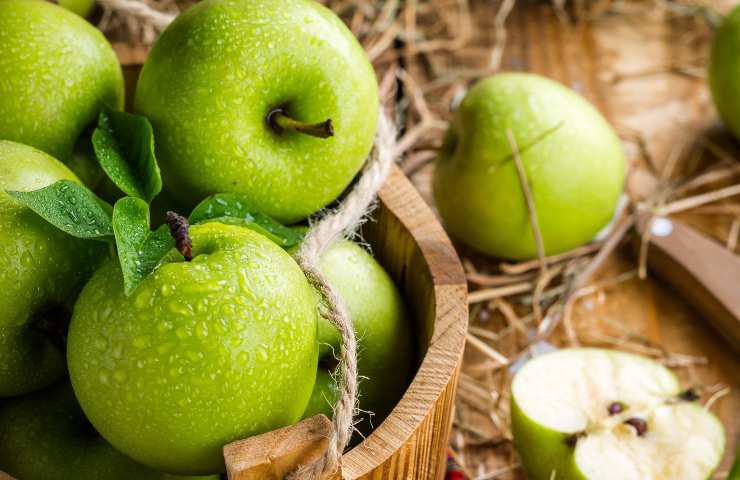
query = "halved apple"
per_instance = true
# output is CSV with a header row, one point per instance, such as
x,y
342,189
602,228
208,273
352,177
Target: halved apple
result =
x,y
605,415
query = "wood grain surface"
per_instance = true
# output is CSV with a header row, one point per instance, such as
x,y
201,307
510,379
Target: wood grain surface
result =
x,y
273,455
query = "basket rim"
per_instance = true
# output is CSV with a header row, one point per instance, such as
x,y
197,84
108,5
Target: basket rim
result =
x,y
445,352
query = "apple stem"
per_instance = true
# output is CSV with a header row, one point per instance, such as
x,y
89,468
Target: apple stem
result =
x,y
279,121
179,228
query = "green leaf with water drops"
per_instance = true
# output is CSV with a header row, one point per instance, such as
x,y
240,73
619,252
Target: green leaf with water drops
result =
x,y
71,208
235,209
140,250
124,146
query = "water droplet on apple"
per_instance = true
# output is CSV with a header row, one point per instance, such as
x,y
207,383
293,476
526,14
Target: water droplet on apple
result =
x,y
164,348
195,356
243,357
142,341
117,352
100,343
201,330
119,376
27,259
164,326
264,356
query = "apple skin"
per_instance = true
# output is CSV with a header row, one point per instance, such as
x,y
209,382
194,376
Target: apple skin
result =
x,y
46,435
202,353
42,270
56,69
724,71
324,395
542,449
220,68
386,352
82,8
576,171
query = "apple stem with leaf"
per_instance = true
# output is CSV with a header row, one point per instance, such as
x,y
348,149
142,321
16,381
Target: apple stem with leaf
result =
x,y
179,229
280,121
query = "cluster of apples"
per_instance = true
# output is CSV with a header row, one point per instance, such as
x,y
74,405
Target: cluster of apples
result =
x,y
128,351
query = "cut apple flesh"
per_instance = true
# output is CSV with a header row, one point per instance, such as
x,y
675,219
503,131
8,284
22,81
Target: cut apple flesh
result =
x,y
571,391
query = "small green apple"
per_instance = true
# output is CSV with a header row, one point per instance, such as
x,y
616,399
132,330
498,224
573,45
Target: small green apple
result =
x,y
386,351
606,415
220,87
41,271
202,353
45,435
56,70
724,71
573,162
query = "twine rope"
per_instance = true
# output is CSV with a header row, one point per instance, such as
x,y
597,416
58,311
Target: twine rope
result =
x,y
342,222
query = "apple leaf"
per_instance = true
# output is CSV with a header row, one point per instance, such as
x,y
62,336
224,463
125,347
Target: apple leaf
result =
x,y
140,250
234,209
71,208
124,146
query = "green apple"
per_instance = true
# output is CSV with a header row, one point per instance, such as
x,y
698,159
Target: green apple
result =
x,y
383,328
724,71
606,415
41,271
202,353
573,162
57,70
45,435
222,87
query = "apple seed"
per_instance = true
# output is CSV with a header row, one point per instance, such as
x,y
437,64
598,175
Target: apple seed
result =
x,y
615,408
639,424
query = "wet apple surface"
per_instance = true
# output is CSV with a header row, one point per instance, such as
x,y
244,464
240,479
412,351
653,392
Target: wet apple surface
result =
x,y
200,354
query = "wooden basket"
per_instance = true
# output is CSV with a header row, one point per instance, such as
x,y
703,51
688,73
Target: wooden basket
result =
x,y
409,242
411,442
